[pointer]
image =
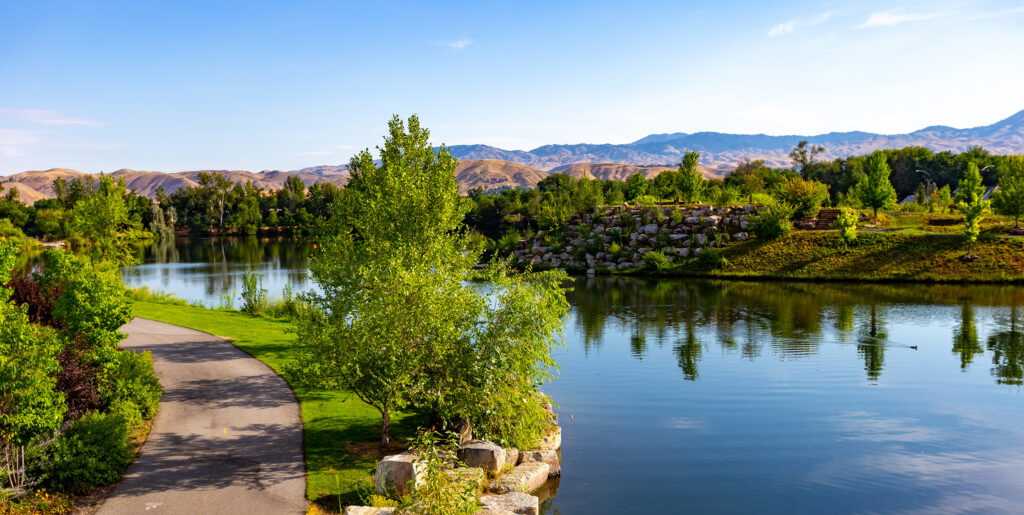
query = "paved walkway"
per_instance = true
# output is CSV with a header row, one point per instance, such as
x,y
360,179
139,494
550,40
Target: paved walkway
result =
x,y
227,439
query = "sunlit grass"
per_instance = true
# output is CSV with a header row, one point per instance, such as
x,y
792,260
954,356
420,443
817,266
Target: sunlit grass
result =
x,y
341,431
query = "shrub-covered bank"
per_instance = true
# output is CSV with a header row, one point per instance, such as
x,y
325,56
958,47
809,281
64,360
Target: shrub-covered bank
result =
x,y
71,401
704,241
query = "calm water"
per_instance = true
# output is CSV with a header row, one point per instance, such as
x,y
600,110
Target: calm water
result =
x,y
731,397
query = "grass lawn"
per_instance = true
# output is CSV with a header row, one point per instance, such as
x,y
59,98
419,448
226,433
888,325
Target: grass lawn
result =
x,y
342,433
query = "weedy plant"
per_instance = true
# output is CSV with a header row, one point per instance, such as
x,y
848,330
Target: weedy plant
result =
x,y
443,492
254,296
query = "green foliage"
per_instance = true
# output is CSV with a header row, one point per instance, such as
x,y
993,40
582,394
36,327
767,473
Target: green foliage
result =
x,y
773,222
443,492
254,296
711,259
636,186
9,232
875,190
969,202
1009,198
29,404
805,196
131,386
94,451
38,502
398,324
655,262
691,182
102,220
846,222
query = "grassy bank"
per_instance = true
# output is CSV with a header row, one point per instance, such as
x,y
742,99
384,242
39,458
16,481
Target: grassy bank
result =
x,y
874,256
341,432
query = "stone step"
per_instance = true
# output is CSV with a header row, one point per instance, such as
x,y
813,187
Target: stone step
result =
x,y
515,502
526,477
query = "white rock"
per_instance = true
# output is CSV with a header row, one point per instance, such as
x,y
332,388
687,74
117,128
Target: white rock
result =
x,y
650,228
486,455
740,236
700,239
515,502
526,477
368,510
395,472
549,456
552,440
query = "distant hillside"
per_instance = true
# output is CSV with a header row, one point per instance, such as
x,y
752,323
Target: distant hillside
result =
x,y
615,171
39,184
495,174
26,193
721,152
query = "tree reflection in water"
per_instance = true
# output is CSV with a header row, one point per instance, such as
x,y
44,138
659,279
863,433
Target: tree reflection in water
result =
x,y
792,319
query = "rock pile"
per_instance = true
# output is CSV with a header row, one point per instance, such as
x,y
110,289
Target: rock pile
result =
x,y
619,237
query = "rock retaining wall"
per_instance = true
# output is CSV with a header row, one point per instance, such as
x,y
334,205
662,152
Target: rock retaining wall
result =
x,y
619,237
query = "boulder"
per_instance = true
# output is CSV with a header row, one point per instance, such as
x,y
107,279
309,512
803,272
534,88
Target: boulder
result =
x,y
512,456
713,220
486,455
650,228
524,478
549,456
395,472
692,220
683,252
368,510
700,239
515,502
552,440
740,236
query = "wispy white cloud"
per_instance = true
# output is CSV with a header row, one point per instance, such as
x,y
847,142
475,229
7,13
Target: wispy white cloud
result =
x,y
791,25
890,18
456,45
45,117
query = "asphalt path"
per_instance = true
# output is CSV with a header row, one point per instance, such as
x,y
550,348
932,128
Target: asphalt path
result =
x,y
227,438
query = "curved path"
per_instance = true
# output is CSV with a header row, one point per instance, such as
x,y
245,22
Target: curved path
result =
x,y
227,438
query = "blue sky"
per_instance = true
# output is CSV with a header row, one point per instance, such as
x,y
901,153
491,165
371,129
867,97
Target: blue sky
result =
x,y
175,86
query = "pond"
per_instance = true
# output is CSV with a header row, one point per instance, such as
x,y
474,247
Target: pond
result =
x,y
732,397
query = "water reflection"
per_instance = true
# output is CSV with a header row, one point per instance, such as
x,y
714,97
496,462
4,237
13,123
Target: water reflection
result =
x,y
792,319
206,269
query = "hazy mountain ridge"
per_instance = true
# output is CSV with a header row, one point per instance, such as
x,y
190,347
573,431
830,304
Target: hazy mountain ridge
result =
x,y
722,151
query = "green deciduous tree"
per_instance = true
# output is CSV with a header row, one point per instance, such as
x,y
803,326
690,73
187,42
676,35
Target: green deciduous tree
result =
x,y
636,186
970,203
396,321
875,190
102,220
846,222
803,155
1009,198
691,183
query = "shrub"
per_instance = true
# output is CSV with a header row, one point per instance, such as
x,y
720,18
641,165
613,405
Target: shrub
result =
x,y
254,296
846,222
442,493
804,196
287,306
615,249
93,452
131,383
711,259
773,222
655,262
677,215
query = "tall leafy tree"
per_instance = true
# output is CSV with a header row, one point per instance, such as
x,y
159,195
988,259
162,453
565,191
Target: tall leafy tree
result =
x,y
102,219
875,191
691,181
803,155
970,203
636,186
1009,198
396,321
221,188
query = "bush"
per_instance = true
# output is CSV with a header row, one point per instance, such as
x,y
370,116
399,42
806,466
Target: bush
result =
x,y
711,259
254,297
773,222
655,262
442,492
287,306
805,196
130,387
93,452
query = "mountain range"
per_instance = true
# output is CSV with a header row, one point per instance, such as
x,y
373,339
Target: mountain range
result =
x,y
491,168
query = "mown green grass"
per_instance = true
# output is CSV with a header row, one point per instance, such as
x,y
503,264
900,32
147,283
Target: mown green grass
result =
x,y
341,431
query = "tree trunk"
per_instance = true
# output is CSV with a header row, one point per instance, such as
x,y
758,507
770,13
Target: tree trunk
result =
x,y
385,428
